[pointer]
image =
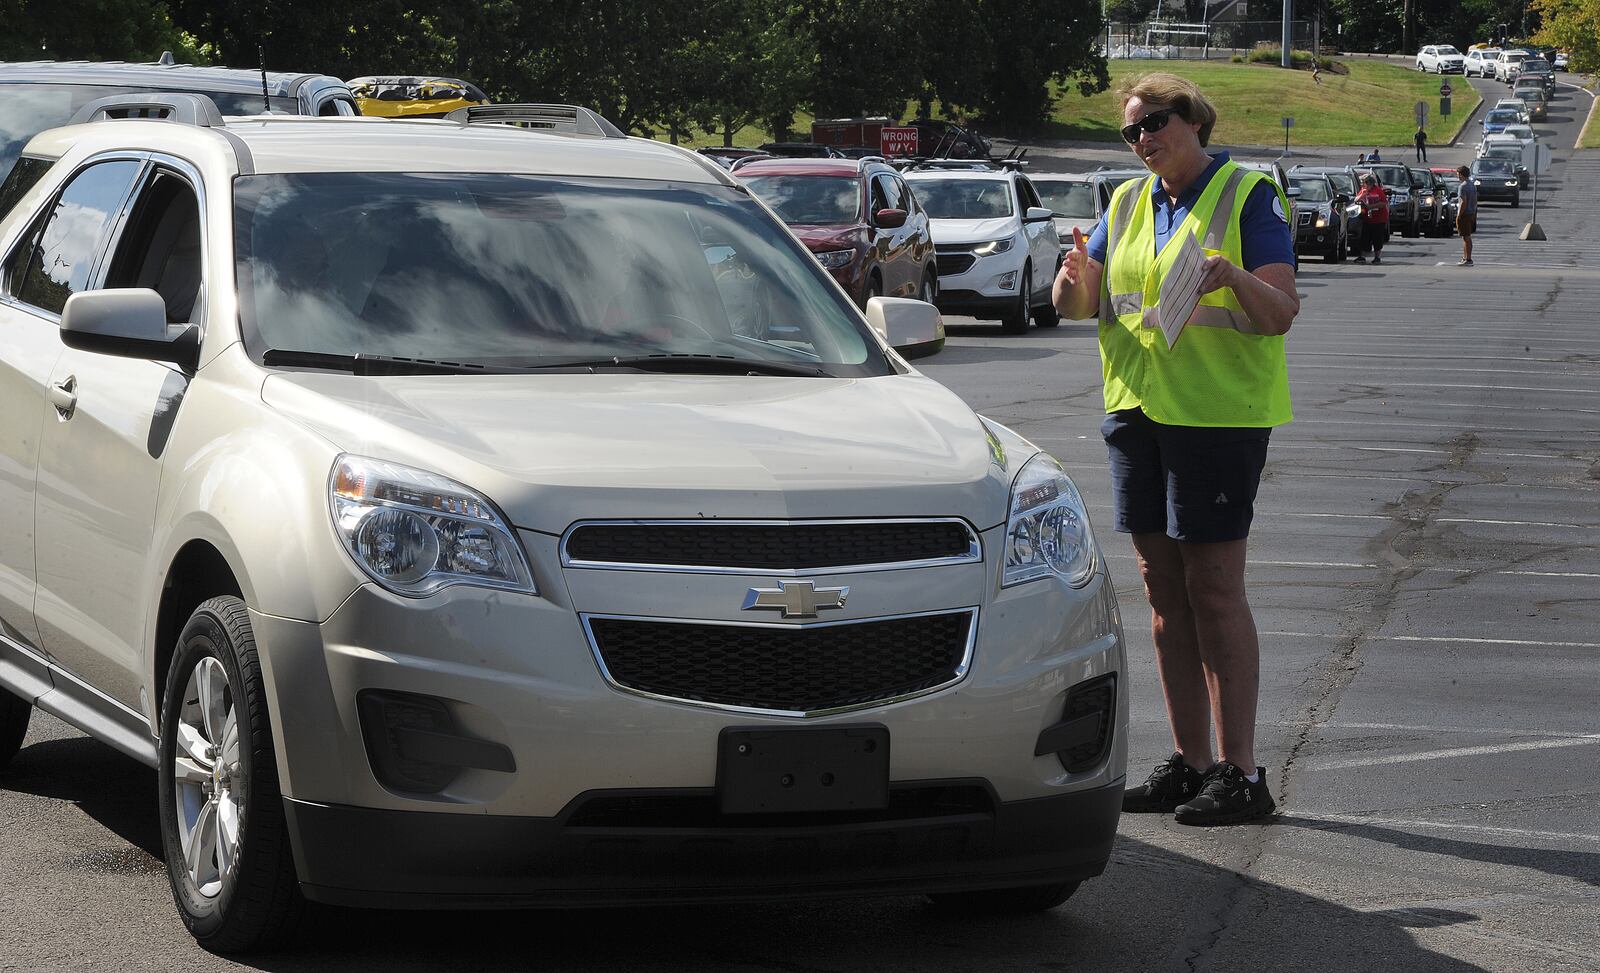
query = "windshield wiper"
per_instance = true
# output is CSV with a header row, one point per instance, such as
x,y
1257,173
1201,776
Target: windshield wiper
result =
x,y
364,364
718,364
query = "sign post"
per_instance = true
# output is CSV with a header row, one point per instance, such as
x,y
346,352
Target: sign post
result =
x,y
1536,159
1288,123
1422,114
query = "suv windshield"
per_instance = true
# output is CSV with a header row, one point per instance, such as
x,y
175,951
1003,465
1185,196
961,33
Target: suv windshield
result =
x,y
810,200
1535,66
27,109
964,199
1393,177
1343,182
1504,116
1313,190
1072,200
1446,49
1491,167
525,271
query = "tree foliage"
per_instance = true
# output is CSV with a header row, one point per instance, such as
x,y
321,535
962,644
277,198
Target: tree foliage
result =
x,y
94,30
1572,26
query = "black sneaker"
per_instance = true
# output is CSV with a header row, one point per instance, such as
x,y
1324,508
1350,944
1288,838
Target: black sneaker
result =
x,y
1170,784
1228,797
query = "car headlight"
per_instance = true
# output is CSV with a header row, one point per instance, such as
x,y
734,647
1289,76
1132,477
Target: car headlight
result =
x,y
835,259
1511,182
415,532
1477,182
1047,532
1353,210
993,247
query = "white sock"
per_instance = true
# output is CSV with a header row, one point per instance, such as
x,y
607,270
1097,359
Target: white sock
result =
x,y
1253,778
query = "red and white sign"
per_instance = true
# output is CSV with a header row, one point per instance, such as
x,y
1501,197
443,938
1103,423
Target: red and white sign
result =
x,y
898,140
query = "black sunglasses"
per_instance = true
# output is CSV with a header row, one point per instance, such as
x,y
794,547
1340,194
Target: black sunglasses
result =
x,y
1152,123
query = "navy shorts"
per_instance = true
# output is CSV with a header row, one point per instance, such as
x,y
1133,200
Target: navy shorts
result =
x,y
1191,483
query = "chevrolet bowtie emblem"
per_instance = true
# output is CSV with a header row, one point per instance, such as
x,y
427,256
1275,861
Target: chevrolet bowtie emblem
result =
x,y
796,599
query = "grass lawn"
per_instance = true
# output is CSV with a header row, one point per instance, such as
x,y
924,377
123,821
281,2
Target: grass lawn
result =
x,y
1589,138
1372,106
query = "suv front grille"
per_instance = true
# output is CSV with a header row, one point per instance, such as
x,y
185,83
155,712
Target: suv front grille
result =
x,y
951,264
770,546
784,668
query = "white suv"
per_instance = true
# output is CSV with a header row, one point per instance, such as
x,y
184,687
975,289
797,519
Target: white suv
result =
x,y
1506,66
996,243
1441,59
478,516
1480,63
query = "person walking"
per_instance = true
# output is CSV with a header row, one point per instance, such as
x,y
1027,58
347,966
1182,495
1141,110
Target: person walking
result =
x,y
1374,203
1187,425
1421,141
1466,214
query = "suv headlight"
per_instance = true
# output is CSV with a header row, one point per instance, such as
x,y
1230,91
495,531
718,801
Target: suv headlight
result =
x,y
415,532
835,259
1048,529
993,247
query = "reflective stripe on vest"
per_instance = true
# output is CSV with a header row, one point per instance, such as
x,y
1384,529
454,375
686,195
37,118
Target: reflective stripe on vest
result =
x,y
1222,371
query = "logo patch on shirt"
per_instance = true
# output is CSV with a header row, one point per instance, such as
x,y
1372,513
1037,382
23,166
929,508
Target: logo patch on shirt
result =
x,y
1277,207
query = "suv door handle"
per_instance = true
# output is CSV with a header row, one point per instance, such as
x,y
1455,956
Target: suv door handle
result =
x,y
64,396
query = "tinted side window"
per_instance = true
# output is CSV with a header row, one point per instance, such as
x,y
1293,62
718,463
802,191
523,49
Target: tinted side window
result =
x,y
64,252
880,198
1030,196
160,248
24,175
908,201
891,192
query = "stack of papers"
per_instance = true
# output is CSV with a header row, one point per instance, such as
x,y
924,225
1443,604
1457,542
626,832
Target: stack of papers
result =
x,y
1180,292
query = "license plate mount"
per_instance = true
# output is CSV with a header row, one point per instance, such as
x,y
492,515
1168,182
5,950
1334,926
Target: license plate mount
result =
x,y
799,769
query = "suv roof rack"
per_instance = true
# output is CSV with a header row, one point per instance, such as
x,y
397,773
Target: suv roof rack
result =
x,y
173,106
561,119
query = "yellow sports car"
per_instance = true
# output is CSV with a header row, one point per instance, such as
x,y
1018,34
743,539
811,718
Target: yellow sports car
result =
x,y
414,97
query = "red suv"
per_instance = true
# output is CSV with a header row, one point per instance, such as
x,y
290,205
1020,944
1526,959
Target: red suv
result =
x,y
858,218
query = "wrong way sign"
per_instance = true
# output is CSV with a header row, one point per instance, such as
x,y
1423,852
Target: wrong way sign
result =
x,y
897,140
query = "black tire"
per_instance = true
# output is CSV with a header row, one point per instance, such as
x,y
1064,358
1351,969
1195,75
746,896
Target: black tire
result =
x,y
1015,320
257,901
1046,315
997,902
14,714
1340,250
874,288
929,291
1516,201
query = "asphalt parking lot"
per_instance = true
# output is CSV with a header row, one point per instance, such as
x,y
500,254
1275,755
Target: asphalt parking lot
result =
x,y
1426,576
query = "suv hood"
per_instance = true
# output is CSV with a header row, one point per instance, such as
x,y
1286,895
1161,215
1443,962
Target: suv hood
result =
x,y
973,231
819,239
554,449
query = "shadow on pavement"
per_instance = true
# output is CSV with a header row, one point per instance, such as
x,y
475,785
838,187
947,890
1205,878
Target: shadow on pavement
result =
x,y
115,790
972,354
1581,865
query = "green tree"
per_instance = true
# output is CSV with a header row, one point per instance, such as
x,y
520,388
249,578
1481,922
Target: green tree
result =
x,y
95,30
1572,26
1037,42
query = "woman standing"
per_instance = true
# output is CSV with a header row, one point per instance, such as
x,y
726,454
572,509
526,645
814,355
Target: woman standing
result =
x,y
1374,204
1187,425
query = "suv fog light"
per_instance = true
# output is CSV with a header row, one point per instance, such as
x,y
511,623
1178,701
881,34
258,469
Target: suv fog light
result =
x,y
414,745
1082,737
1008,282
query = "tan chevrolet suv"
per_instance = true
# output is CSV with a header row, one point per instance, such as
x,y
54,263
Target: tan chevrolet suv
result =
x,y
462,514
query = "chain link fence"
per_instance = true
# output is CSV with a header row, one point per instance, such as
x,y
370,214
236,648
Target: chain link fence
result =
x,y
1165,39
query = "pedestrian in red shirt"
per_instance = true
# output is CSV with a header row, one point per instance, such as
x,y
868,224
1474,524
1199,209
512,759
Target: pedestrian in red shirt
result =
x,y
1374,203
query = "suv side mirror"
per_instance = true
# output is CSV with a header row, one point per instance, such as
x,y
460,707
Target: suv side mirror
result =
x,y
128,322
890,219
913,328
1037,214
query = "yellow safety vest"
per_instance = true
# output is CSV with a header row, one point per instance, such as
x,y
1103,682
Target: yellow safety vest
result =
x,y
1222,372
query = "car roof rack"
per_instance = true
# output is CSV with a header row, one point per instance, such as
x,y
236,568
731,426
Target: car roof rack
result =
x,y
183,107
560,119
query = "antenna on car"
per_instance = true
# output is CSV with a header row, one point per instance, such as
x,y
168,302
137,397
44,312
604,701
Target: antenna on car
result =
x,y
266,99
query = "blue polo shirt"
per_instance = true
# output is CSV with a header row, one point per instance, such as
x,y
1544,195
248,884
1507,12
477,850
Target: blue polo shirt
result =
x,y
1265,236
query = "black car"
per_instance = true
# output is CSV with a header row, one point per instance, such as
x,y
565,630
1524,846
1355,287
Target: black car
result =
x,y
1496,179
939,139
1322,226
1405,211
1346,183
801,150
1433,202
1511,154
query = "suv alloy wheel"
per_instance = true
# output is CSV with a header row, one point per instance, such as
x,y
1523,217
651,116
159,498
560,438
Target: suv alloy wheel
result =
x,y
1016,319
222,822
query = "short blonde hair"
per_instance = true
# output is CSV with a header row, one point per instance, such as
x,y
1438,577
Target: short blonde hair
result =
x,y
1172,91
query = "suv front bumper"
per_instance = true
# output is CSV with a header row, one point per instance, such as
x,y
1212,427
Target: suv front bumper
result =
x,y
518,672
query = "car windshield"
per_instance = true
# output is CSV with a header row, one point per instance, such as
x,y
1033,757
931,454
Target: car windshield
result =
x,y
1535,66
527,271
964,199
1451,181
809,200
1491,166
1518,131
28,109
1343,182
1070,200
1503,116
1313,190
1394,177
1447,49
1503,152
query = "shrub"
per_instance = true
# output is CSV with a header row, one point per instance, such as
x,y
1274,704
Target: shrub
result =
x,y
1237,59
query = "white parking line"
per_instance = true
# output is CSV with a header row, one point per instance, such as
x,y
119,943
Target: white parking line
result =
x,y
1447,639
1452,826
1406,758
1413,728
1368,565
